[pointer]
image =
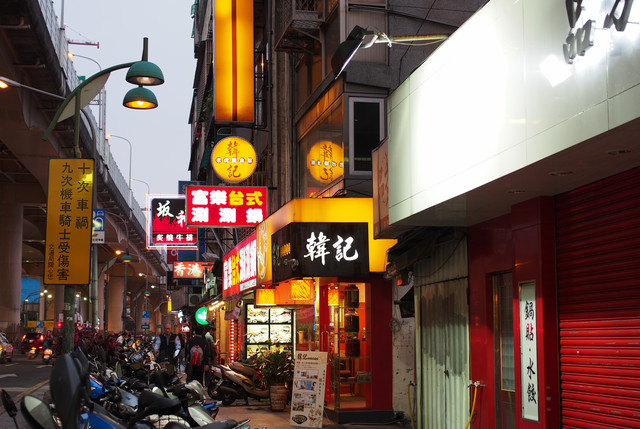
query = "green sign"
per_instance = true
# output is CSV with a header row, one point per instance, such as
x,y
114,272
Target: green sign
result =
x,y
201,316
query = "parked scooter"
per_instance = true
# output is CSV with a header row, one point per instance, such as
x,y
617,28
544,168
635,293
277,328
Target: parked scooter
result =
x,y
234,385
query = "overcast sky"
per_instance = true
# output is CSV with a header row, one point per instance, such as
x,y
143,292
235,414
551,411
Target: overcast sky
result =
x,y
160,138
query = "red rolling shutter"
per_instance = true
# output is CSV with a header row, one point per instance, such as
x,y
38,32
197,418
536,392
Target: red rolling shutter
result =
x,y
598,257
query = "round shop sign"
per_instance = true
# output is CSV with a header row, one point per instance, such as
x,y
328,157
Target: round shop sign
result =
x,y
325,161
201,316
233,159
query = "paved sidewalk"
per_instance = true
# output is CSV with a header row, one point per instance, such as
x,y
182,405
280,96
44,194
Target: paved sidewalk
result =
x,y
261,416
259,413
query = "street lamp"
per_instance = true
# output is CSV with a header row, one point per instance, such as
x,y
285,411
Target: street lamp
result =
x,y
101,98
148,188
139,73
130,151
347,49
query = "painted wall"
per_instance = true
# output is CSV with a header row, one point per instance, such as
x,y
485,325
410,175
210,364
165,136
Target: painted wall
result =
x,y
522,242
499,96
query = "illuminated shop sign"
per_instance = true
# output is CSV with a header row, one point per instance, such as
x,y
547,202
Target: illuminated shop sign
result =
x,y
529,352
189,269
233,159
226,206
69,221
320,249
239,267
581,33
167,224
325,161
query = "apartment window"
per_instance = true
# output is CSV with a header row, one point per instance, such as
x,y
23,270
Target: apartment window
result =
x,y
366,131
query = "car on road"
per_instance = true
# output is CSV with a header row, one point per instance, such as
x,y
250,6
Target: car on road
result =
x,y
6,349
30,340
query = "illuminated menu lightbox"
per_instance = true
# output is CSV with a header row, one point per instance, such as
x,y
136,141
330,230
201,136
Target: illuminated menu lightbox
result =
x,y
226,206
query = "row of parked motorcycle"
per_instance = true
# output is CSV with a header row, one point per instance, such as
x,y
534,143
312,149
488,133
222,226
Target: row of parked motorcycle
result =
x,y
91,388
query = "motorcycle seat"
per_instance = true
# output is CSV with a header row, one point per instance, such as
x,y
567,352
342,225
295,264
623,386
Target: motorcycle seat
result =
x,y
152,403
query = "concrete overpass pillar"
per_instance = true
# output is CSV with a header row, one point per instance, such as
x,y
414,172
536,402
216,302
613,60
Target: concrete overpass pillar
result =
x,y
115,289
11,223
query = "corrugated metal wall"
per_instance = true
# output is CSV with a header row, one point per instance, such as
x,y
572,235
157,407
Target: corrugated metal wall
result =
x,y
598,228
442,335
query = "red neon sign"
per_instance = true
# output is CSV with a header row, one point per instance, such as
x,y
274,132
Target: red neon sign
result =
x,y
225,206
189,269
167,223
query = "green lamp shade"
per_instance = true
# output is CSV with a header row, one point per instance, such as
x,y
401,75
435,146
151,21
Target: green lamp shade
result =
x,y
201,316
140,98
145,73
126,258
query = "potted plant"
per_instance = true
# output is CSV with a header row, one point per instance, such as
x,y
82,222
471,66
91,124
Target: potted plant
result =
x,y
276,367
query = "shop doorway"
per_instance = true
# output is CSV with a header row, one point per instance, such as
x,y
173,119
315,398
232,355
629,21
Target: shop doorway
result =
x,y
504,350
442,353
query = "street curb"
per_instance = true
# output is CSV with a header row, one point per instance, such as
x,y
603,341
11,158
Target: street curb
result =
x,y
23,394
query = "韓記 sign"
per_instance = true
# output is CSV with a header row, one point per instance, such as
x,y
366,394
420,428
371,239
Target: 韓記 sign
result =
x,y
320,249
239,267
233,159
167,225
69,221
226,206
325,161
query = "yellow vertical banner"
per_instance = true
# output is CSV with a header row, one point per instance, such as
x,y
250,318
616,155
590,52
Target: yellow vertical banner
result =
x,y
69,216
233,61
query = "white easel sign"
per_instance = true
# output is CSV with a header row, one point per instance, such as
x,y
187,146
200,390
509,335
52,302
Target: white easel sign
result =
x,y
529,352
307,399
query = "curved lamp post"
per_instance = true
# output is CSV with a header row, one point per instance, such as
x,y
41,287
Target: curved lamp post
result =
x,y
141,73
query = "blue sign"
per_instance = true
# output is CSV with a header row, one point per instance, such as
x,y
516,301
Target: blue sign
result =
x,y
97,229
145,314
39,324
145,326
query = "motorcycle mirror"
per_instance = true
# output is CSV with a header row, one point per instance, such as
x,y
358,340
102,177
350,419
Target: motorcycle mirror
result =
x,y
8,403
37,413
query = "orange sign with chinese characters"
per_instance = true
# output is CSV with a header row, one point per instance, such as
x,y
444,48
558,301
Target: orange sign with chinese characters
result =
x,y
233,159
325,161
69,220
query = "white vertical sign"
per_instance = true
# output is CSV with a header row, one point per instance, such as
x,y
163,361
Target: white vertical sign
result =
x,y
307,401
529,352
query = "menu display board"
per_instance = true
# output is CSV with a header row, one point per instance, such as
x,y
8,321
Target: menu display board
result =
x,y
309,378
267,326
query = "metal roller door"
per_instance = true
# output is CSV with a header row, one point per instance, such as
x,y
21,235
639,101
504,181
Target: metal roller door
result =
x,y
598,260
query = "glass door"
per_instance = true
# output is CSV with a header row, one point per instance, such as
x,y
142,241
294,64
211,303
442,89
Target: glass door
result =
x,y
349,351
505,385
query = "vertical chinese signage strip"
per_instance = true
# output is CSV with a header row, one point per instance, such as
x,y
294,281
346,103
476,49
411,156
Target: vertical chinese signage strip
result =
x,y
69,221
233,60
528,352
309,378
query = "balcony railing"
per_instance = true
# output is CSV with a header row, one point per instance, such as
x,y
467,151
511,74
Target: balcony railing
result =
x,y
299,23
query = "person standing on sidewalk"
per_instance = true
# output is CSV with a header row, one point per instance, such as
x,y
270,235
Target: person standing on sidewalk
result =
x,y
197,353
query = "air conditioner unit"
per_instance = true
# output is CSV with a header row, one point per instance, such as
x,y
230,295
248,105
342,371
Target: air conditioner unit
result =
x,y
194,299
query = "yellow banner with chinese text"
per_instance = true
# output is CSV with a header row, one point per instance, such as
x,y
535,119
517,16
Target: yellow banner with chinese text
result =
x,y
69,216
